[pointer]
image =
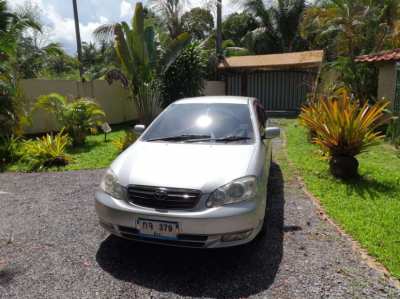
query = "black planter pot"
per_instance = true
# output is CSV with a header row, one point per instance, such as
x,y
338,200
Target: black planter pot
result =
x,y
344,167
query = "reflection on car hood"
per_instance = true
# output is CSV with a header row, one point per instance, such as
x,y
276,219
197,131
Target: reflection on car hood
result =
x,y
183,165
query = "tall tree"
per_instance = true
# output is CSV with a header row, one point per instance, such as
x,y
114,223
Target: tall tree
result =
x,y
171,12
199,22
237,25
78,37
278,26
219,28
33,58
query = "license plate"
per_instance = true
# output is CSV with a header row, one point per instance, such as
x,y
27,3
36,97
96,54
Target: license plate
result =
x,y
158,228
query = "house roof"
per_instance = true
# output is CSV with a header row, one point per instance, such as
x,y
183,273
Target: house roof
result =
x,y
308,59
392,55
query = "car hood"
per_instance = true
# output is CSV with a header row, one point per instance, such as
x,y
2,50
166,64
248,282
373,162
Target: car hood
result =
x,y
183,165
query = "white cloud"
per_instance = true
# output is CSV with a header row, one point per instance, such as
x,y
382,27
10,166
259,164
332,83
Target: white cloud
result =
x,y
63,29
126,9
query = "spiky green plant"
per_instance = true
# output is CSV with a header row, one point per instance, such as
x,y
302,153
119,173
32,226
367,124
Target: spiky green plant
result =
x,y
343,126
45,152
125,141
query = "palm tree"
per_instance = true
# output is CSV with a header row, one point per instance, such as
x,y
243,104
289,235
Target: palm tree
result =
x,y
143,60
171,12
352,27
33,58
278,29
11,26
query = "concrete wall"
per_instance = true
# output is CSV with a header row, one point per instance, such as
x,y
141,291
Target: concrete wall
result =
x,y
113,99
387,81
214,88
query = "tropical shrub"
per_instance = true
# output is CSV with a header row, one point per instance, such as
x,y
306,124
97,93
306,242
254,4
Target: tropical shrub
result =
x,y
77,117
45,152
343,128
10,149
125,141
8,116
185,77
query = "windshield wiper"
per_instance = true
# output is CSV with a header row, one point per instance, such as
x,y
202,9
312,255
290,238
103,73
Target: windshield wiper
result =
x,y
231,138
222,139
184,137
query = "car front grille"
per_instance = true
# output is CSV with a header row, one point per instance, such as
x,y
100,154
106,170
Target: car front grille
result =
x,y
163,198
184,240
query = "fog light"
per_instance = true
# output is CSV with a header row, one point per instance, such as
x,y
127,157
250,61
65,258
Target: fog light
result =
x,y
236,236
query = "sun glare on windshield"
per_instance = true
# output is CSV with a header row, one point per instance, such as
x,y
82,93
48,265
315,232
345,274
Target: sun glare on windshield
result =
x,y
204,121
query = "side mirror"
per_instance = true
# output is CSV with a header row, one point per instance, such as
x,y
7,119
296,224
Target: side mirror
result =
x,y
139,129
272,132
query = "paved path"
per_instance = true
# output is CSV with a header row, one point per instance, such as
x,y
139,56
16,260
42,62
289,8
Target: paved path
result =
x,y
52,247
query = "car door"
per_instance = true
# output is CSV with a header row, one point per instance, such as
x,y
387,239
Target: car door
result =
x,y
267,143
264,151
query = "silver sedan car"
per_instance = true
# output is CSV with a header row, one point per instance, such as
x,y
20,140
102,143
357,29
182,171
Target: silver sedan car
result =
x,y
196,177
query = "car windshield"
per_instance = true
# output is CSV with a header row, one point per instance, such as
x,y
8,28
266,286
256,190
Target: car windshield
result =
x,y
197,122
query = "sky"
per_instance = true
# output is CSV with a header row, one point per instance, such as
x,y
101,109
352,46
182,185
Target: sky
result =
x,y
57,16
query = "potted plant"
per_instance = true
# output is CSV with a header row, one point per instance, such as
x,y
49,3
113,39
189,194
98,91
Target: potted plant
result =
x,y
344,127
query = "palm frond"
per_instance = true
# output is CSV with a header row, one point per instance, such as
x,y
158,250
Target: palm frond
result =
x,y
173,50
105,32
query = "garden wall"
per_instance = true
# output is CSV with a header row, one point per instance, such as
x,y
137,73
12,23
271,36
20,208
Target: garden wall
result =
x,y
112,98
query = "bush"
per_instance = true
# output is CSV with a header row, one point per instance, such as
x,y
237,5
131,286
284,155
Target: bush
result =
x,y
10,150
343,128
45,152
185,77
124,142
77,118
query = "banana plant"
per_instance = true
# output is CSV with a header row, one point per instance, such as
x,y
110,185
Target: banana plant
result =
x,y
142,58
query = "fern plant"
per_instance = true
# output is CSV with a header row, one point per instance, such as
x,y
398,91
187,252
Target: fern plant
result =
x,y
77,117
343,128
45,152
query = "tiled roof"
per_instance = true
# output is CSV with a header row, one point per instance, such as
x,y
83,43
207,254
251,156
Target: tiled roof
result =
x,y
392,55
306,59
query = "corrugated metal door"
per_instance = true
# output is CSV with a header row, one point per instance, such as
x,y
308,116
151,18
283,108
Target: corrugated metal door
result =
x,y
277,90
396,103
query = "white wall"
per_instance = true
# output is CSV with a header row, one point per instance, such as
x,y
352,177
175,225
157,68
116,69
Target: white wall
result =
x,y
113,99
387,81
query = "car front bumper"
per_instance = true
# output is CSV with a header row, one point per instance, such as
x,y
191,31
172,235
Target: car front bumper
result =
x,y
209,228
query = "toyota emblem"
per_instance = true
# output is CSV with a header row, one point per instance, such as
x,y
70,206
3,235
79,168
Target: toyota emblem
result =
x,y
160,194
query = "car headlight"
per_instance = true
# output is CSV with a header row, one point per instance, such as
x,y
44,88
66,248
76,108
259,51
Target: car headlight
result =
x,y
236,191
109,184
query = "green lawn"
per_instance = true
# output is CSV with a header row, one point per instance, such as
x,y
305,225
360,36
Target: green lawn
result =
x,y
367,208
96,153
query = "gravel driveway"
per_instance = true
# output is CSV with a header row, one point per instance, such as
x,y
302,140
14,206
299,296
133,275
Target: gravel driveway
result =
x,y
52,247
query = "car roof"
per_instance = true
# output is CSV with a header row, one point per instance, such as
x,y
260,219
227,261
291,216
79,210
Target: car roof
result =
x,y
215,99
